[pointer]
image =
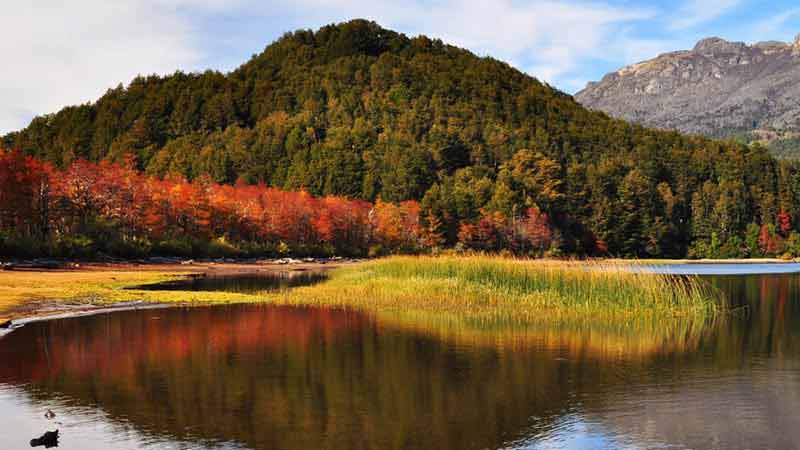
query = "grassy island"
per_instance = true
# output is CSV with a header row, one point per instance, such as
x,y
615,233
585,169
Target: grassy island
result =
x,y
518,290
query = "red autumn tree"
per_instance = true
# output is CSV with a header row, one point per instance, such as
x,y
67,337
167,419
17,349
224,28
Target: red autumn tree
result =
x,y
784,223
536,230
396,227
25,194
770,242
489,234
112,203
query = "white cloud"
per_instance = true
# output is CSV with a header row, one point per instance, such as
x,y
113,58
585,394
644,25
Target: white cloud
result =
x,y
64,53
775,25
58,53
697,12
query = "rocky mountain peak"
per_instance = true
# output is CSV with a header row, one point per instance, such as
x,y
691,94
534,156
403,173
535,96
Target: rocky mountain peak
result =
x,y
719,88
715,45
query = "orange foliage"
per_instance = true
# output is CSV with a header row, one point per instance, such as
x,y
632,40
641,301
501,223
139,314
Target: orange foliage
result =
x,y
24,193
770,242
397,226
784,223
494,231
109,200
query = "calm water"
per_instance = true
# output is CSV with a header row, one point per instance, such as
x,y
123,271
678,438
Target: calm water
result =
x,y
725,269
286,378
245,283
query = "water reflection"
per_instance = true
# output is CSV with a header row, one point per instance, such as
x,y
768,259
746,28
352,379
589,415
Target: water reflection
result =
x,y
290,378
722,269
280,378
246,283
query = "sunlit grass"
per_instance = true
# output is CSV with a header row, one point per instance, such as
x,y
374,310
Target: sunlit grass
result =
x,y
513,290
599,307
19,289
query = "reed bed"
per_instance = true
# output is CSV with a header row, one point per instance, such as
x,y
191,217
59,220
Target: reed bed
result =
x,y
513,290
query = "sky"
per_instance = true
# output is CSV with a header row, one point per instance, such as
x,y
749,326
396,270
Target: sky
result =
x,y
58,53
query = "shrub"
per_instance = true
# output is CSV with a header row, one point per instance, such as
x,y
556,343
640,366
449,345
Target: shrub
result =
x,y
173,247
221,248
77,246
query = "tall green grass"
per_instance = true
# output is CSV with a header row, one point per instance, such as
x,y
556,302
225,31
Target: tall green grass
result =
x,y
514,290
604,309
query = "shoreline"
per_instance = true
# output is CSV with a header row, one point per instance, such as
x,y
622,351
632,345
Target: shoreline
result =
x,y
226,266
11,325
246,265
36,308
79,288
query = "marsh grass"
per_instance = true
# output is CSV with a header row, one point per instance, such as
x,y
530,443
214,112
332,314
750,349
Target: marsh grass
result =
x,y
593,308
513,290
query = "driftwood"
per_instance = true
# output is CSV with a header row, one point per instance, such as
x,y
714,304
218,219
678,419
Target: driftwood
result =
x,y
47,440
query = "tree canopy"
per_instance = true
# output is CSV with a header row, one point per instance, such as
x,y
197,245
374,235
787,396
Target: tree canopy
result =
x,y
357,111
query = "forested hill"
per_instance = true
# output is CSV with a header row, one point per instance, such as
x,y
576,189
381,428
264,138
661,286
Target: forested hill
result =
x,y
360,111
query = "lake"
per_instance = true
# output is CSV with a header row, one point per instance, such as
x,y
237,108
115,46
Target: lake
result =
x,y
245,283
267,377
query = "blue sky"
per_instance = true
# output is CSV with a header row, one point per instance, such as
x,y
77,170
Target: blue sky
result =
x,y
59,53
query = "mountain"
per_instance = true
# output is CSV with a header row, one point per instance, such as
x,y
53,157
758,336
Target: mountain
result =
x,y
359,111
718,89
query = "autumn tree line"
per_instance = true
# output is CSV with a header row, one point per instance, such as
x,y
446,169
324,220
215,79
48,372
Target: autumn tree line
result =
x,y
468,151
112,209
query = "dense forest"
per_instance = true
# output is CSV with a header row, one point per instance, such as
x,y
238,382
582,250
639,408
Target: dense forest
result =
x,y
107,208
495,159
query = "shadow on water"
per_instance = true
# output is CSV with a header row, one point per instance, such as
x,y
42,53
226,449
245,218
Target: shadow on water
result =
x,y
248,283
274,377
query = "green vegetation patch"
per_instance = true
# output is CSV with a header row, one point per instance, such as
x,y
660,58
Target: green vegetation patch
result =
x,y
512,290
475,294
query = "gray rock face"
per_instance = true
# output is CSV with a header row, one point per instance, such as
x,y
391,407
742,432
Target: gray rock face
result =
x,y
718,89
